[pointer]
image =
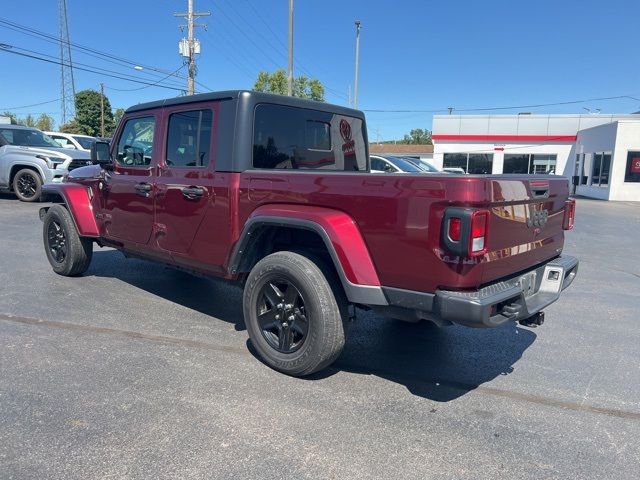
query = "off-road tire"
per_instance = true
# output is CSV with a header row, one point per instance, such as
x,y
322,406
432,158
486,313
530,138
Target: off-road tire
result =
x,y
73,257
324,311
27,185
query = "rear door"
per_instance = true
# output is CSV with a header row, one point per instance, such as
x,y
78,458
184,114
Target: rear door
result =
x,y
184,186
128,189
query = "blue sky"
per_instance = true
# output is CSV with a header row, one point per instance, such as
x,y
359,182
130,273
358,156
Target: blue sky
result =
x,y
415,54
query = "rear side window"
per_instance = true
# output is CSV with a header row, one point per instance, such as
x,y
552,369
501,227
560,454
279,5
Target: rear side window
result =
x,y
189,138
135,146
299,138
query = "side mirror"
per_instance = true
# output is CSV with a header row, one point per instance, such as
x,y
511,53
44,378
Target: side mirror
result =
x,y
100,155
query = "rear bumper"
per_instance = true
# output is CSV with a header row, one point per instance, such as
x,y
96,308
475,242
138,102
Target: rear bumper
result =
x,y
512,299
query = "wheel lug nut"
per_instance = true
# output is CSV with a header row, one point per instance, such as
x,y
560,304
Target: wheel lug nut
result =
x,y
291,318
284,324
277,317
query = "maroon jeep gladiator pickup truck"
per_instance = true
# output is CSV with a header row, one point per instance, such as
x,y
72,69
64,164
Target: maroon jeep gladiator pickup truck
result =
x,y
276,193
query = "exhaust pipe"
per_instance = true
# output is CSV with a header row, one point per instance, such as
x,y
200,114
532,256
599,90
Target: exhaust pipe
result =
x,y
533,321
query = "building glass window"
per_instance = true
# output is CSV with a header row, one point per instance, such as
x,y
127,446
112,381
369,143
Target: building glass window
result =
x,y
586,166
473,163
632,173
601,166
516,163
529,163
458,160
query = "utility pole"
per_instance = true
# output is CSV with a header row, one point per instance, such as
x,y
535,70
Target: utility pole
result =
x,y
290,67
355,86
189,47
102,110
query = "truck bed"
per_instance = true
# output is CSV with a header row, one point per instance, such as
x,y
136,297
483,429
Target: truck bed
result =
x,y
401,217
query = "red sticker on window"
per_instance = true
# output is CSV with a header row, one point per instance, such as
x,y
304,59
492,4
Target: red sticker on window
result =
x,y
635,164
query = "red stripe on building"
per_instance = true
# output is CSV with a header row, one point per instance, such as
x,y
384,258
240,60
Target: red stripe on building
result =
x,y
507,138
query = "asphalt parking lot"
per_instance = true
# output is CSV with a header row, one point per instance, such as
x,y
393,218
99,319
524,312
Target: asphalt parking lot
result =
x,y
139,371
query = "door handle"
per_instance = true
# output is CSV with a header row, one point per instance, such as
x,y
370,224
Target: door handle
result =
x,y
143,189
191,193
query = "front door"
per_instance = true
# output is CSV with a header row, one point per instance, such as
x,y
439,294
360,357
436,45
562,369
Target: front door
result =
x,y
184,187
128,190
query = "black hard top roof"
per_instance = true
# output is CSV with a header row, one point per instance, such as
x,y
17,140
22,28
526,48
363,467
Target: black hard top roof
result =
x,y
254,97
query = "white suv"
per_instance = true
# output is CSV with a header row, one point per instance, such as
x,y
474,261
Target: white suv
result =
x,y
68,140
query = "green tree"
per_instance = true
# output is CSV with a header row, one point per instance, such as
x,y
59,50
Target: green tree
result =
x,y
72,127
418,136
44,123
12,117
87,117
117,116
276,82
28,121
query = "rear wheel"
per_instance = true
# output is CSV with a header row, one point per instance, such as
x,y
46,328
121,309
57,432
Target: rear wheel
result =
x,y
27,185
67,252
293,317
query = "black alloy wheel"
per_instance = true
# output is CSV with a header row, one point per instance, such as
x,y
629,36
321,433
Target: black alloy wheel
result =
x,y
27,185
281,315
57,241
293,309
68,253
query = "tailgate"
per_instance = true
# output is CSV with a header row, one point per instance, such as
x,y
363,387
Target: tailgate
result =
x,y
525,224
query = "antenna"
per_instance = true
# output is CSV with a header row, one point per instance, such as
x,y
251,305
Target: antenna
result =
x,y
67,84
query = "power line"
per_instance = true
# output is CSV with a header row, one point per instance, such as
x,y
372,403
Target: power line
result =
x,y
104,56
298,65
514,107
29,106
146,86
87,69
99,69
258,47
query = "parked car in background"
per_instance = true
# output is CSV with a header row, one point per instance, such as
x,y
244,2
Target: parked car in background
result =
x,y
423,164
392,164
400,164
456,170
29,158
68,140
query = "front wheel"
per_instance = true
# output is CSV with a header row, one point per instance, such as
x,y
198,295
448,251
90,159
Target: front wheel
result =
x,y
293,317
27,185
67,252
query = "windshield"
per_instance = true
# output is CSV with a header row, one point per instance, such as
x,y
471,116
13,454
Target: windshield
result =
x,y
427,167
26,137
405,165
85,142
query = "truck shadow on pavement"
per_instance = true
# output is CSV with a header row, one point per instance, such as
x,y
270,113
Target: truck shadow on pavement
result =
x,y
440,364
214,298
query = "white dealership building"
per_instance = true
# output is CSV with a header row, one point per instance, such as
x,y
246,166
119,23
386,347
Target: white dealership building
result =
x,y
600,152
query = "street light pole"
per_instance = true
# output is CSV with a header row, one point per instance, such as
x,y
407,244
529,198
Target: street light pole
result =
x,y
102,110
355,87
290,67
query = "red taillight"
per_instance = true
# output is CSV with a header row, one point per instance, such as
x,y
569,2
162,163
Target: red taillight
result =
x,y
478,241
454,229
465,230
569,214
